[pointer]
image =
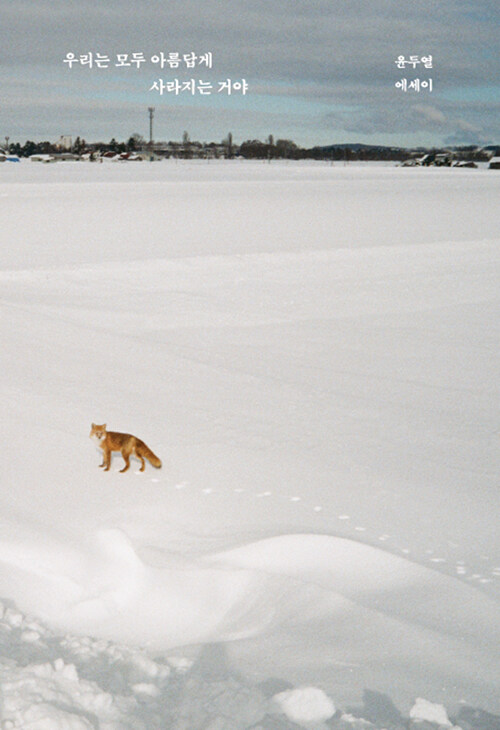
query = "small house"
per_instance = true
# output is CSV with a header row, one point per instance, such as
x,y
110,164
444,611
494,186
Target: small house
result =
x,y
42,158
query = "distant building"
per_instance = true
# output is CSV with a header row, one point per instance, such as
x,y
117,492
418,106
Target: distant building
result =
x,y
7,157
65,156
122,157
42,158
494,163
65,142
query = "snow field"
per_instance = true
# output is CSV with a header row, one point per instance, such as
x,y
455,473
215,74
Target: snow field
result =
x,y
312,353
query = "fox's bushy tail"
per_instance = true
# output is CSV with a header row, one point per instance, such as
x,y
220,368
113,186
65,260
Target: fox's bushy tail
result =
x,y
149,455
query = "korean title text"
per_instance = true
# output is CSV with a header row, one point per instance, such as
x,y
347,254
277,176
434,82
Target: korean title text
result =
x,y
171,61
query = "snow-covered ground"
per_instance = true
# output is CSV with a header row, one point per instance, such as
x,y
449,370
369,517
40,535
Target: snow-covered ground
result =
x,y
312,351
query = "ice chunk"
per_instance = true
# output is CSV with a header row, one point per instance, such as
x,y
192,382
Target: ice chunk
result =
x,y
305,705
425,711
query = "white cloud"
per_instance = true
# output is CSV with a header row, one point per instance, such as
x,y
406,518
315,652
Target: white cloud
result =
x,y
466,126
430,113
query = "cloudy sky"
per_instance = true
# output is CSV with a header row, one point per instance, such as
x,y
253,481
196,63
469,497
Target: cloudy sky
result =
x,y
318,71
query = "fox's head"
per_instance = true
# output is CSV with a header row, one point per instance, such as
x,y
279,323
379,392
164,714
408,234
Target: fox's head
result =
x,y
97,433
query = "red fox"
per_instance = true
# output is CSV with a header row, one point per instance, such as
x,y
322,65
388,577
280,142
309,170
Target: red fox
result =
x,y
128,445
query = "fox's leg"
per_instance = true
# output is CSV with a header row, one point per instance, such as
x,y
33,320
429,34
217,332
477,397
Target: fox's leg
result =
x,y
126,457
106,459
143,463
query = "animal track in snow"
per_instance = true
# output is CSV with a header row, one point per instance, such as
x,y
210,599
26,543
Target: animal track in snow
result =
x,y
457,567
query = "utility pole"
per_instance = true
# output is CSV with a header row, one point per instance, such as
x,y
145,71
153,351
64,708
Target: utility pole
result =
x,y
151,111
7,144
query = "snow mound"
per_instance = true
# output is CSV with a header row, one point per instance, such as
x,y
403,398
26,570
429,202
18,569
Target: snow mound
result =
x,y
366,604
425,711
74,683
34,697
306,705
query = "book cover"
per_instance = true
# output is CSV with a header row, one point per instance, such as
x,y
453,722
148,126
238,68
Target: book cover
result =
x,y
251,249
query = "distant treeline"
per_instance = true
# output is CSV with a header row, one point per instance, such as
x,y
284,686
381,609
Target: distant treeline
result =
x,y
286,149
250,149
